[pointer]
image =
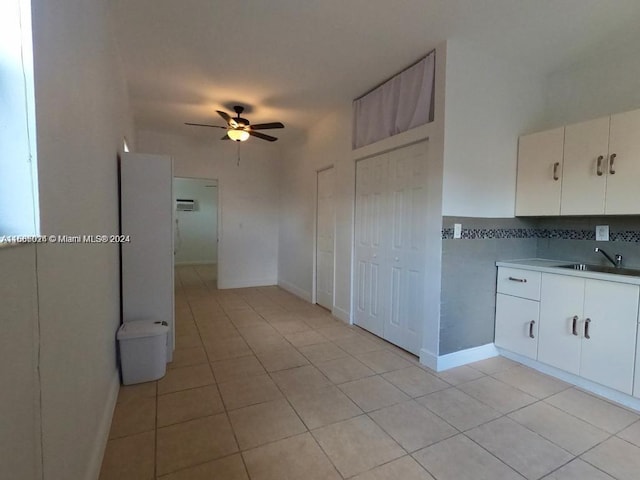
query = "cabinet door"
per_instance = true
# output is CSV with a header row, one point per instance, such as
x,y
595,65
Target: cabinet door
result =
x,y
583,183
561,300
609,343
623,194
514,330
539,178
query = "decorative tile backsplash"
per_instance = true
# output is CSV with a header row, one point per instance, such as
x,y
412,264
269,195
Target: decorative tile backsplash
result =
x,y
556,233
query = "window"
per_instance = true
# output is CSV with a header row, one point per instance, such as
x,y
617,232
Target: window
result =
x,y
18,166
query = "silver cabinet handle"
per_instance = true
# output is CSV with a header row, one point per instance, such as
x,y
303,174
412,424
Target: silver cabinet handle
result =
x,y
599,168
555,171
531,324
612,159
586,328
521,280
574,325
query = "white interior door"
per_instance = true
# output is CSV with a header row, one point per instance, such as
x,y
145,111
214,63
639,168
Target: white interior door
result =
x,y
371,243
407,255
390,249
325,229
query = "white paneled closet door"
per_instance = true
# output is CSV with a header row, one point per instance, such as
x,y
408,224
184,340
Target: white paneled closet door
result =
x,y
407,180
325,228
371,243
390,247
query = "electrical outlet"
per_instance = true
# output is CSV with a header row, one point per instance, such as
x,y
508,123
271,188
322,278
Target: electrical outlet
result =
x,y
457,230
602,233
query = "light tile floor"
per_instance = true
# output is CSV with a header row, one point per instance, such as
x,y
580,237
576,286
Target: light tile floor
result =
x,y
265,386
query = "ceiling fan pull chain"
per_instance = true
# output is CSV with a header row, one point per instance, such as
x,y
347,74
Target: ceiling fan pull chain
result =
x,y
238,164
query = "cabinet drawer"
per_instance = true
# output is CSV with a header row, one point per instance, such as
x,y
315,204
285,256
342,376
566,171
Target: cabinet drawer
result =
x,y
520,283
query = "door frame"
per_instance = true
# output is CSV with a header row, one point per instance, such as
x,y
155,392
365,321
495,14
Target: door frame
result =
x,y
314,280
218,222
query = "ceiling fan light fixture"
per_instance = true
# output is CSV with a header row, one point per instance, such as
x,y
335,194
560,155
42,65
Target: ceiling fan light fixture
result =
x,y
238,134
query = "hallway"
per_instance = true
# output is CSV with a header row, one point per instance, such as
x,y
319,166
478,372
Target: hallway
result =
x,y
268,387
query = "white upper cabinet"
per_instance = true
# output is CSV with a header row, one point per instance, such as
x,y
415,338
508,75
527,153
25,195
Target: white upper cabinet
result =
x,y
596,164
585,155
540,173
623,166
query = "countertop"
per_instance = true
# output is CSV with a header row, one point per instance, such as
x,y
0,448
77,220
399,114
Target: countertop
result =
x,y
552,266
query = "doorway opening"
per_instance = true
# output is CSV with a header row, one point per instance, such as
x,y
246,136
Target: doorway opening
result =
x,y
196,209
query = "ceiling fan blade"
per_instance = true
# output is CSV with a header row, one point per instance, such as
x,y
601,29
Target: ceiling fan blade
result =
x,y
226,137
268,138
204,125
267,126
230,121
224,115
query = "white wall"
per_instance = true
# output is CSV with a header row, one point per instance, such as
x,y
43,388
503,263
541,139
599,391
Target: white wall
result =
x,y
248,197
488,105
196,240
593,88
82,115
18,177
19,396
325,145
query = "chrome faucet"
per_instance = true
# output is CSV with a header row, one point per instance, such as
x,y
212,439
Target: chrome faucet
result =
x,y
618,258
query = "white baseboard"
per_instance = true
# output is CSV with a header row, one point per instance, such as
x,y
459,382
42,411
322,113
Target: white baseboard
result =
x,y
341,314
456,359
186,264
245,283
583,383
102,435
297,291
429,359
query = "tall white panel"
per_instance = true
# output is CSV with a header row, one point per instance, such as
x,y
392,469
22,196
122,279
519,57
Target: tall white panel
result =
x,y
147,219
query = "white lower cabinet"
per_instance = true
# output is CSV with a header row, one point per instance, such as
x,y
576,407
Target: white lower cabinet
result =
x,y
517,324
609,334
586,327
560,319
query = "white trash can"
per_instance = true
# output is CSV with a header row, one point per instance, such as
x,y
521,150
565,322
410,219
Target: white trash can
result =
x,y
143,351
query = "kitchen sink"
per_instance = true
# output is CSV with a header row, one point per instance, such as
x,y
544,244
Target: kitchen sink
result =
x,y
602,269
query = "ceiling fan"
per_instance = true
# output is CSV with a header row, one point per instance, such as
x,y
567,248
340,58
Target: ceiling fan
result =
x,y
240,129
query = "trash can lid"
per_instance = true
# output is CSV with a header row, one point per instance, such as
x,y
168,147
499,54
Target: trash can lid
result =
x,y
142,328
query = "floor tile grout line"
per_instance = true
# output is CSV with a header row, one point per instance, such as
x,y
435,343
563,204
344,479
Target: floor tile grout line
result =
x,y
226,413
495,456
609,435
524,391
581,456
582,419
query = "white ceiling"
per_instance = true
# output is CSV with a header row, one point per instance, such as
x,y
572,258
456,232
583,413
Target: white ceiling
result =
x,y
296,60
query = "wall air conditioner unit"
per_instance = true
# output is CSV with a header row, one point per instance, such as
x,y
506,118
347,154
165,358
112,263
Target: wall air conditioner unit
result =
x,y
185,205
